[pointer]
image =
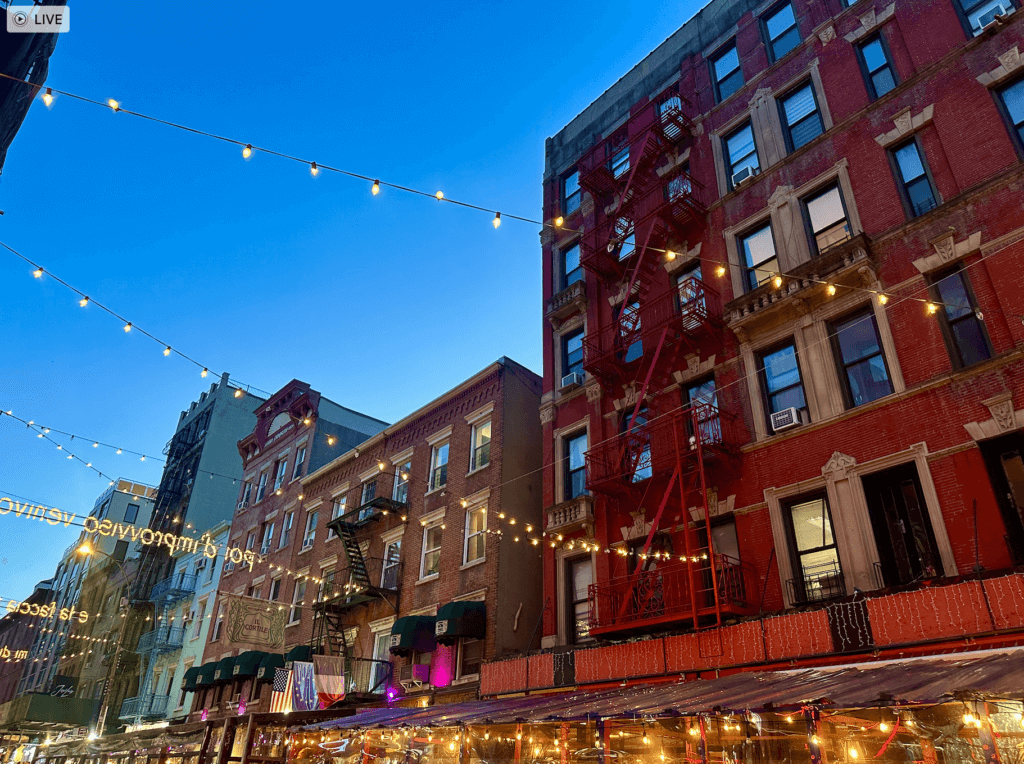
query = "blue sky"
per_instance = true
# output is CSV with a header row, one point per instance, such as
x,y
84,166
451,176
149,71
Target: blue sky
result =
x,y
253,267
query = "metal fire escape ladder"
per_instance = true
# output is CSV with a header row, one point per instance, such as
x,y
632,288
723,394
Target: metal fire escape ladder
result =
x,y
357,565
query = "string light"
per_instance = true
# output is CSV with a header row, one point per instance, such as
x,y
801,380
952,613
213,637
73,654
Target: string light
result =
x,y
719,270
48,97
497,219
831,288
777,281
931,307
84,301
128,327
559,221
439,195
113,104
882,298
204,372
375,188
313,169
38,273
670,255
247,151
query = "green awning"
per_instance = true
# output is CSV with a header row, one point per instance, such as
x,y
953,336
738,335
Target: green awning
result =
x,y
206,672
188,682
299,653
458,620
247,664
224,669
413,632
270,663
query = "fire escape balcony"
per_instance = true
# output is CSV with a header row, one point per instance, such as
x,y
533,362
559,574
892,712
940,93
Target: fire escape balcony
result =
x,y
616,353
622,465
369,579
144,706
174,588
162,640
673,595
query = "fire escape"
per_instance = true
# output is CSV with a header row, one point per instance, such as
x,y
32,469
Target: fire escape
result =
x,y
365,580
647,205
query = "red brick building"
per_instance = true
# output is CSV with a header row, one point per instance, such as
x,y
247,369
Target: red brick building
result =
x,y
784,351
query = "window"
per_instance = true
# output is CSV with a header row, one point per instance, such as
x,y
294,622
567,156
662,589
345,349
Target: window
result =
x,y
572,271
326,588
575,474
760,262
275,590
629,329
431,556
246,493
439,466
280,468
300,461
212,570
338,507
298,594
801,117
914,181
638,453
780,380
962,329
310,537
625,235
740,153
619,161
367,494
250,542
268,537
581,576
980,13
262,488
120,550
401,491
816,568
389,571
471,657
726,73
826,216
218,624
131,513
571,192
481,455
858,350
253,591
703,396
1012,100
783,34
572,353
476,534
875,64
286,529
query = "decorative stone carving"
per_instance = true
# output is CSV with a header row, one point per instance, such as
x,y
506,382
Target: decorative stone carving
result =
x,y
837,465
870,21
695,367
593,393
780,196
1009,62
905,124
827,35
547,414
1004,418
761,97
947,249
639,528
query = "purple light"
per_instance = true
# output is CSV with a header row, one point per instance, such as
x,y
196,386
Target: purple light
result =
x,y
241,707
206,712
443,668
392,694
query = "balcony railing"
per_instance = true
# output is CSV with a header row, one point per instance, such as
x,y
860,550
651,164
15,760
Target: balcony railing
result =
x,y
649,449
572,299
570,515
340,587
143,706
820,583
176,587
162,640
673,593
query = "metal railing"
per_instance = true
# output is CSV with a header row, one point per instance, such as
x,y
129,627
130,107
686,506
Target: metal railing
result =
x,y
818,583
368,676
382,574
144,705
178,586
164,639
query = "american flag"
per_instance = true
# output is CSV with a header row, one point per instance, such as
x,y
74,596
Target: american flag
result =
x,y
281,697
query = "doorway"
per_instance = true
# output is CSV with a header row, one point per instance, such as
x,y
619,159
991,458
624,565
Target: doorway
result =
x,y
1004,459
903,532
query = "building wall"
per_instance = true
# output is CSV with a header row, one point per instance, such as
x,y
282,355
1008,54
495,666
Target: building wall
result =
x,y
939,416
17,634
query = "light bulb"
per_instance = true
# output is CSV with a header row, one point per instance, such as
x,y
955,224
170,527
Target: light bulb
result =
x,y
313,169
931,307
48,97
167,350
883,727
113,104
439,195
375,188
204,372
882,298
119,450
670,255
239,393
777,281
831,289
968,718
720,271
853,753
128,326
330,440
559,221
38,273
247,151
646,740
497,219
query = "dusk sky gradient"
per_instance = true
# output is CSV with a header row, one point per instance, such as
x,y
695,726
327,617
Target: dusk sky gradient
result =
x,y
380,303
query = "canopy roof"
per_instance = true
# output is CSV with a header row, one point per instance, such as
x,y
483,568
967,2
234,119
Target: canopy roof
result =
x,y
413,633
225,667
188,682
460,620
271,661
206,672
247,664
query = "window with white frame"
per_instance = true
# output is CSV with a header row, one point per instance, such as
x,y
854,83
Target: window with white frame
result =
x,y
268,537
246,494
368,493
275,590
298,595
439,466
476,534
401,491
280,468
392,558
338,507
199,619
430,558
310,535
286,529
481,455
470,658
218,624
261,489
300,461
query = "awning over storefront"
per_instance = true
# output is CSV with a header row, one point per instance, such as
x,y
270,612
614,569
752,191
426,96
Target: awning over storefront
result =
x,y
905,682
299,653
247,664
223,672
270,662
206,672
185,734
460,620
188,682
413,632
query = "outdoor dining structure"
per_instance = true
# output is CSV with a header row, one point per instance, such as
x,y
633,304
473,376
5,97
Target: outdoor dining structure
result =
x,y
953,708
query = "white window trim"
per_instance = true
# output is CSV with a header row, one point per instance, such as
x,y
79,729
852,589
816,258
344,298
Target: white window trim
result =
x,y
439,436
395,534
431,520
426,610
466,563
402,457
291,604
480,414
373,472
472,446
430,469
382,624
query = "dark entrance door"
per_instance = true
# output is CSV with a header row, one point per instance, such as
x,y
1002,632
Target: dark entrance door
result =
x,y
903,532
1004,458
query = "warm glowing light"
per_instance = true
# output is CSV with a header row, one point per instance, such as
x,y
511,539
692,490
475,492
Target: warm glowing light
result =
x,y
931,307
330,440
48,100
239,393
646,740
777,281
167,350
853,753
883,727
375,188
84,301
670,255
882,298
204,372
497,219
38,273
720,271
313,169
831,289
559,221
113,104
968,718
85,549
439,195
247,151
128,326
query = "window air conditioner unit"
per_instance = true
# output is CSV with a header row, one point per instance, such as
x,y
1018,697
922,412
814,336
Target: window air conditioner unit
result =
x,y
415,675
242,505
307,544
743,175
988,18
572,380
786,419
265,549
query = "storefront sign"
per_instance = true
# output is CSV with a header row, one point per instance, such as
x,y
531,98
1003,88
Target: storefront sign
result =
x,y
47,611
